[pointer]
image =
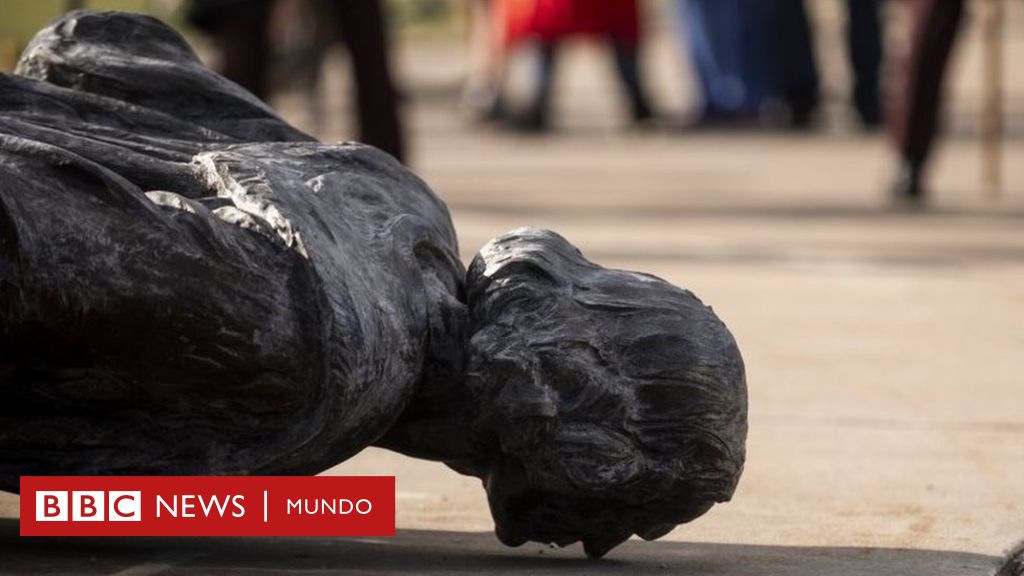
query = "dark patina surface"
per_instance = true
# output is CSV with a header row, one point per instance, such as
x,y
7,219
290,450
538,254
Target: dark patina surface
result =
x,y
188,285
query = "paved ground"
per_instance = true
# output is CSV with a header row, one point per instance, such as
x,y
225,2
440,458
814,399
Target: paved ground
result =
x,y
443,552
883,348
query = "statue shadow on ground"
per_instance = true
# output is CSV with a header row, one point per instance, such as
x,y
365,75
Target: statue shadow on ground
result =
x,y
438,552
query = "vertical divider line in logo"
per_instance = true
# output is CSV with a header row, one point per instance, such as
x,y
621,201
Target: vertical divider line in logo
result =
x,y
264,506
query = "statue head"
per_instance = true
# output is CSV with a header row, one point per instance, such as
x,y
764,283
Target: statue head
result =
x,y
615,403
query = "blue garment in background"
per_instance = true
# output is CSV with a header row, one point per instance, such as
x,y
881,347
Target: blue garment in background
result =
x,y
727,40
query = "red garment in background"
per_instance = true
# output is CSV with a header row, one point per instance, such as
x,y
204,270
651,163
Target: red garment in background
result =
x,y
552,20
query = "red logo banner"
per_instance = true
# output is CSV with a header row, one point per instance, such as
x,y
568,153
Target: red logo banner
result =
x,y
207,505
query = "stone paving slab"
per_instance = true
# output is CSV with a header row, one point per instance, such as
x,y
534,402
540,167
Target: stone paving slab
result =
x,y
440,552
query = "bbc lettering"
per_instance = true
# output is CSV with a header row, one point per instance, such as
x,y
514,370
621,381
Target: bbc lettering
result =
x,y
89,506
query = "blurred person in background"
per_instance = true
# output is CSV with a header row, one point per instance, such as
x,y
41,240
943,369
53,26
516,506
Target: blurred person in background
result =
x,y
916,104
752,54
240,33
726,41
241,30
797,73
548,23
482,96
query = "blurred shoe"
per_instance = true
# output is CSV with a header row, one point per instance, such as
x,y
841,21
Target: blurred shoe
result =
x,y
644,120
482,103
531,122
871,118
907,190
801,110
641,110
722,121
646,126
802,119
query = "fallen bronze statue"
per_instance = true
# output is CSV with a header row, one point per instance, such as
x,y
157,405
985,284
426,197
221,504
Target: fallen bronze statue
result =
x,y
189,285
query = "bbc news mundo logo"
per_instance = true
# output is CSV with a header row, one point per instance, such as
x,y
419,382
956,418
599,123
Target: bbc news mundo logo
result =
x,y
207,506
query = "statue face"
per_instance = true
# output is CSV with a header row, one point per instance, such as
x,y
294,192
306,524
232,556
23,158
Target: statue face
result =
x,y
617,401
